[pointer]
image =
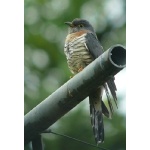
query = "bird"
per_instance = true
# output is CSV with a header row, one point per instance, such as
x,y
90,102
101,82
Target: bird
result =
x,y
81,48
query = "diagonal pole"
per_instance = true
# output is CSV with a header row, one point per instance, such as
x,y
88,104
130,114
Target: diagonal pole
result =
x,y
73,92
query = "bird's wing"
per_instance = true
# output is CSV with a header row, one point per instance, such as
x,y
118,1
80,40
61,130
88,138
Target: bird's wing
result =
x,y
93,45
96,50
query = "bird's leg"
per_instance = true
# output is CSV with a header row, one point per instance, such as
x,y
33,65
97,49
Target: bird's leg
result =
x,y
71,76
80,69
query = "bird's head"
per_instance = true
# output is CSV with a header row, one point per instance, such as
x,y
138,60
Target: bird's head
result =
x,y
79,25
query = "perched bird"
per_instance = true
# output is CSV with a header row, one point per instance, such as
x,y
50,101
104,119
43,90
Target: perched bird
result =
x,y
81,48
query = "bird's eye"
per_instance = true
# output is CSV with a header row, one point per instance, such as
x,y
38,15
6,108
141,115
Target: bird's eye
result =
x,y
81,25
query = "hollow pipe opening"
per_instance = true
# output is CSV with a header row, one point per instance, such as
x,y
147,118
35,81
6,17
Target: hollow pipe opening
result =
x,y
117,56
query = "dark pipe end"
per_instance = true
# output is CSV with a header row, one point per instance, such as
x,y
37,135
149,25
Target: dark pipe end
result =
x,y
117,56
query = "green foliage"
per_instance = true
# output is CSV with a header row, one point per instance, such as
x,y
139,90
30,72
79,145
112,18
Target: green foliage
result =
x,y
46,67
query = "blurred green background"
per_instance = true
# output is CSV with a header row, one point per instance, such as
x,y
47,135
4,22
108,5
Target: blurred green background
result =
x,y
46,67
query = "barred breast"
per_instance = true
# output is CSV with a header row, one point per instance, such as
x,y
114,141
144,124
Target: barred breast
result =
x,y
77,53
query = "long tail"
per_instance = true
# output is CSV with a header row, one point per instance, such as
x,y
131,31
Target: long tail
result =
x,y
98,108
96,104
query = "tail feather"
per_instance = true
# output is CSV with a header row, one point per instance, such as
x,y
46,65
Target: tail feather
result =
x,y
105,110
98,108
109,99
95,100
99,128
113,89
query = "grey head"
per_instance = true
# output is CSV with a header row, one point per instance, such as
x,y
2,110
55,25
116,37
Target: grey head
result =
x,y
79,25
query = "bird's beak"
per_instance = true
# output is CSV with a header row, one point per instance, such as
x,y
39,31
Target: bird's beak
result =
x,y
69,24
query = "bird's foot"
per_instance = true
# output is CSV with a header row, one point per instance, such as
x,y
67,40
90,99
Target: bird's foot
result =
x,y
80,69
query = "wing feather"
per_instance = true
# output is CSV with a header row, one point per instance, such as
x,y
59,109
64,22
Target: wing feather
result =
x,y
96,50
